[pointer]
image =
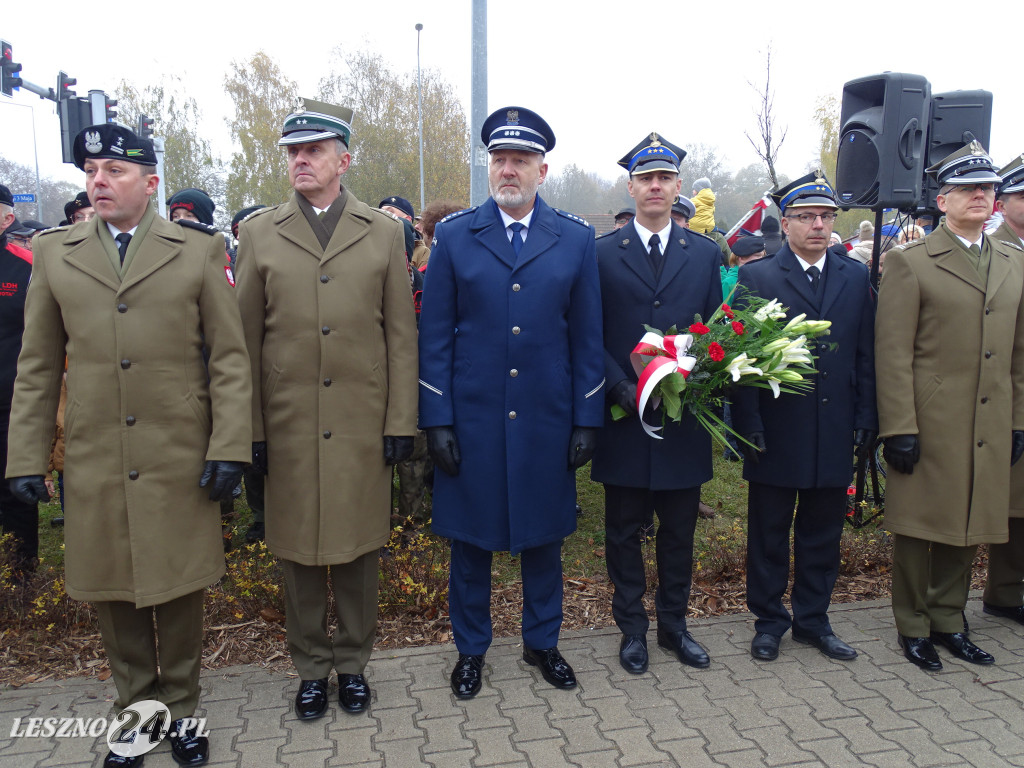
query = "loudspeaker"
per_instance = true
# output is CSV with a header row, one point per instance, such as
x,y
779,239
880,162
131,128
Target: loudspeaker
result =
x,y
956,118
881,142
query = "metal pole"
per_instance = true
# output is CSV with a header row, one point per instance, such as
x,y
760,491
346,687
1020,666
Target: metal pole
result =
x,y
478,191
35,150
419,83
161,190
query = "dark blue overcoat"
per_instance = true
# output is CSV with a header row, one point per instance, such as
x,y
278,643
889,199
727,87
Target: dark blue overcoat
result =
x,y
690,284
511,355
809,437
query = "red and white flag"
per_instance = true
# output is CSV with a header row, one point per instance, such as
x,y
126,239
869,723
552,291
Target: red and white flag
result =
x,y
750,222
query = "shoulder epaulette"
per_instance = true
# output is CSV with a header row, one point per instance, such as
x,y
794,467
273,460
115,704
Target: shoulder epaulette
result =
x,y
456,215
706,237
1011,244
197,225
571,217
259,212
609,232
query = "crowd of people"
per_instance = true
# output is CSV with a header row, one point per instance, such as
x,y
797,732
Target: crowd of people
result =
x,y
334,344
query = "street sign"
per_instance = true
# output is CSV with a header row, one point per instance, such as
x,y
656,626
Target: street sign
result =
x,y
24,198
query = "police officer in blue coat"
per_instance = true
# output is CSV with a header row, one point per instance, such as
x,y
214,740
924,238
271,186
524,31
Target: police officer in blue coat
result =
x,y
653,272
511,391
805,442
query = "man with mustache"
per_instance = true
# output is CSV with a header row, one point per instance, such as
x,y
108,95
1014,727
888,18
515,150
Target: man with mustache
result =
x,y
653,272
510,392
949,348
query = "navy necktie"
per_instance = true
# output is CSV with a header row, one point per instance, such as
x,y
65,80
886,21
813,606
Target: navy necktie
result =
x,y
655,256
122,244
815,276
517,236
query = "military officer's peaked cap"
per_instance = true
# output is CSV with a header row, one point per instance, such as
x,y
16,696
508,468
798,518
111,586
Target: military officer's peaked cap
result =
x,y
652,154
316,121
1013,177
110,141
810,190
685,206
517,128
970,164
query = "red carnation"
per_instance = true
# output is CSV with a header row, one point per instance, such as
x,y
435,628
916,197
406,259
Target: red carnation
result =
x,y
699,328
737,326
715,352
727,311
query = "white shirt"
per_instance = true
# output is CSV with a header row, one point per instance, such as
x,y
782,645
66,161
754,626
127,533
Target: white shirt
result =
x,y
509,221
967,243
805,265
114,231
645,235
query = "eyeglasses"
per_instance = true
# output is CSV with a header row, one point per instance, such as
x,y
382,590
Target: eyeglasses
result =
x,y
808,218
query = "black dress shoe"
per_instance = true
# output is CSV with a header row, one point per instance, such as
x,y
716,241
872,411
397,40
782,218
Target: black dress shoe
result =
x,y
828,644
353,693
633,654
1016,613
117,761
467,676
683,645
920,651
256,532
958,644
187,747
311,700
765,647
555,669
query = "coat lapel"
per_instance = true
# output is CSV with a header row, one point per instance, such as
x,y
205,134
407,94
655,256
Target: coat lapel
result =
x,y
835,282
86,252
676,255
292,226
488,230
543,233
162,243
795,275
998,270
948,257
634,256
353,226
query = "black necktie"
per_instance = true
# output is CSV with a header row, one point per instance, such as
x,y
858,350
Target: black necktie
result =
x,y
655,256
815,275
517,228
122,244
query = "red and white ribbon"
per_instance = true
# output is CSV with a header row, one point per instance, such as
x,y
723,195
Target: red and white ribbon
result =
x,y
654,358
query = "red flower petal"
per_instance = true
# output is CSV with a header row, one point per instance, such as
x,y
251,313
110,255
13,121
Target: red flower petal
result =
x,y
737,326
715,352
699,328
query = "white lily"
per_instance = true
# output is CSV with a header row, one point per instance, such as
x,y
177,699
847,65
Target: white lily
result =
x,y
741,365
796,351
795,321
813,327
772,309
774,384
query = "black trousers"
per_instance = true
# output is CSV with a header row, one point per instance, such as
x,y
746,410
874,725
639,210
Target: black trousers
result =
x,y
817,528
17,518
626,510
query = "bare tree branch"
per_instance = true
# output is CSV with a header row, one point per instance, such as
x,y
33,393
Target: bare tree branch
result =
x,y
766,146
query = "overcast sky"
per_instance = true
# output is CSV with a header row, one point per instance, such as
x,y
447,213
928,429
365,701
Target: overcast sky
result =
x,y
603,74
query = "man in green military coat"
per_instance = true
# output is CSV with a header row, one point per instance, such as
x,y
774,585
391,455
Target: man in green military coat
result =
x,y
325,293
1004,589
949,362
131,299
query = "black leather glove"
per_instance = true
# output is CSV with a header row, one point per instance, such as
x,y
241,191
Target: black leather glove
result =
x,y
864,442
901,452
259,457
755,448
397,449
581,446
30,489
222,477
444,449
623,395
1018,446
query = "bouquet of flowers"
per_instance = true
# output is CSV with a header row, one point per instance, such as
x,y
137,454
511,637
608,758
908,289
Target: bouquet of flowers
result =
x,y
754,346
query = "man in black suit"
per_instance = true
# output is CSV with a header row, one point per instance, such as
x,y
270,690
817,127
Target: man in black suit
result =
x,y
804,443
653,272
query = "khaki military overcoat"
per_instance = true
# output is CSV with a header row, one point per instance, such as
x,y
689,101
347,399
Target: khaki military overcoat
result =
x,y
949,362
1017,472
332,338
143,410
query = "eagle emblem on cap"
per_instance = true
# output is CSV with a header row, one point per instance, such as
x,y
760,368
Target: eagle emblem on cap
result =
x,y
654,139
300,106
819,177
976,148
512,116
93,142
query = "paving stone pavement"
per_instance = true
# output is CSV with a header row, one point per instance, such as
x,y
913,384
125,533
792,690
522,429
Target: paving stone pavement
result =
x,y
801,711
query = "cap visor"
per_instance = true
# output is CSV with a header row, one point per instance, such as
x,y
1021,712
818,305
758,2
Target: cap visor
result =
x,y
305,137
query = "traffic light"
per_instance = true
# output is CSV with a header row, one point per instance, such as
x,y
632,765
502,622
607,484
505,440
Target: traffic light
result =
x,y
111,109
9,79
75,116
145,127
64,83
